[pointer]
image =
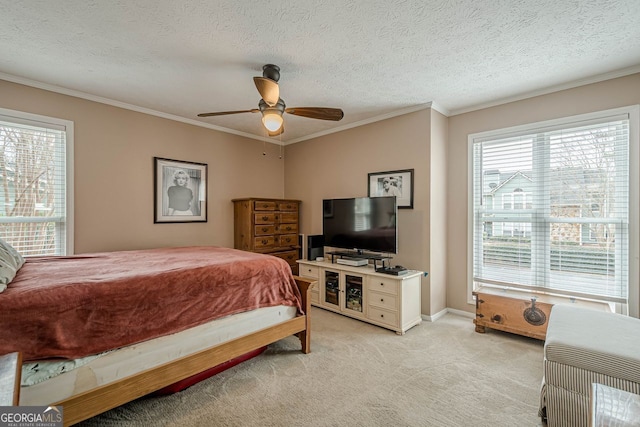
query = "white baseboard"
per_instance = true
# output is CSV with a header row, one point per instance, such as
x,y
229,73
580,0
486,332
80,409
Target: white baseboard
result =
x,y
445,311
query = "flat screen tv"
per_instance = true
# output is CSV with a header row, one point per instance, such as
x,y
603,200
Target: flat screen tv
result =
x,y
362,224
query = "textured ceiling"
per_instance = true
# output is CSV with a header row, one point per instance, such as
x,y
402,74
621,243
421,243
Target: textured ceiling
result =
x,y
372,58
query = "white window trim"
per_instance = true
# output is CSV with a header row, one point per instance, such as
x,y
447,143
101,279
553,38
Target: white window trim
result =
x,y
67,125
634,190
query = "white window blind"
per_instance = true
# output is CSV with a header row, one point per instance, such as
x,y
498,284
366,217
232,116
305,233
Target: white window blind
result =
x,y
33,185
551,209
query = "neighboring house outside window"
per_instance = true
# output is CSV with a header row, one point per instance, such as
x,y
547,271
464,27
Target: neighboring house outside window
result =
x,y
551,211
36,183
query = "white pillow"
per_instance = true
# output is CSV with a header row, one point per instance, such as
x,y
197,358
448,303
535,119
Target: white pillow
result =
x,y
10,263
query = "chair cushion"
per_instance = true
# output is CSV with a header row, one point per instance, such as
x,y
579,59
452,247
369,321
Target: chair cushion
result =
x,y
597,341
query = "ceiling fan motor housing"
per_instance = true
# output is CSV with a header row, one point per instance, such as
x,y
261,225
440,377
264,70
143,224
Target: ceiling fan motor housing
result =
x,y
271,71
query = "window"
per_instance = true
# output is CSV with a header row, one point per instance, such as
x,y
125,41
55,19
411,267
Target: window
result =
x,y
36,183
565,224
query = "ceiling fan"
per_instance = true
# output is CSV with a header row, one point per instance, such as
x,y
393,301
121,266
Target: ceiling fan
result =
x,y
272,106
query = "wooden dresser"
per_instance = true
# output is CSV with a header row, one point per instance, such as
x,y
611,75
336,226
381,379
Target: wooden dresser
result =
x,y
268,226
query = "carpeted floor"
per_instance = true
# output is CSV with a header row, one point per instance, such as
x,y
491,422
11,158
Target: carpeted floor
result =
x,y
438,374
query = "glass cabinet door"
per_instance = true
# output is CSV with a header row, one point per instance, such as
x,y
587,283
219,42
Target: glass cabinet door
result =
x,y
353,293
331,288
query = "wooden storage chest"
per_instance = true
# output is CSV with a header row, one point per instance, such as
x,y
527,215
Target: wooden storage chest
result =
x,y
520,312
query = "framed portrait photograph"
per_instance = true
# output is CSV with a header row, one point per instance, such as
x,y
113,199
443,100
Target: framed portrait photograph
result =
x,y
393,183
180,191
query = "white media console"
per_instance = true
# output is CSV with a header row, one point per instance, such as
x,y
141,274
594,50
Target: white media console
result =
x,y
385,300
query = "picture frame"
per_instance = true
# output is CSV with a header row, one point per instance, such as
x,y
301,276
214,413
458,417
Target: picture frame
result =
x,y
397,183
180,191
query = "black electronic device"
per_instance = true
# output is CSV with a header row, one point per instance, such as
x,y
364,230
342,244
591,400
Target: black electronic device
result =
x,y
315,247
394,271
363,223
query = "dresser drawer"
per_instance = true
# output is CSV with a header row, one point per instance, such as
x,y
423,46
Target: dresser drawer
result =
x,y
264,242
381,300
289,256
287,240
288,217
287,228
309,271
287,206
378,284
264,218
264,205
383,316
262,229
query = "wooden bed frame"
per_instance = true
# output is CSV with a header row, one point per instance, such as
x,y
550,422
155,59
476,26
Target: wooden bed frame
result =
x,y
96,401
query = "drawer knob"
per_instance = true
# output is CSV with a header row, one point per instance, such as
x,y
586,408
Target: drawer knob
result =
x,y
264,229
264,218
264,241
381,299
382,315
381,284
496,318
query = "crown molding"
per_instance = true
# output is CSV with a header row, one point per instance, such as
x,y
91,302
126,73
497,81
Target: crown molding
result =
x,y
573,84
359,123
124,105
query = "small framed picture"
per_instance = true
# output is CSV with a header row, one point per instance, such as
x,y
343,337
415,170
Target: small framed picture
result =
x,y
393,183
180,191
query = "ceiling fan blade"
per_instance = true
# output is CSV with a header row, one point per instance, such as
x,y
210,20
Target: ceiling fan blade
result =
x,y
335,114
224,113
277,132
269,90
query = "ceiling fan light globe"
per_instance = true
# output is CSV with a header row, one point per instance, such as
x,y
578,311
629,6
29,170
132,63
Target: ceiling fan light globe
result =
x,y
272,121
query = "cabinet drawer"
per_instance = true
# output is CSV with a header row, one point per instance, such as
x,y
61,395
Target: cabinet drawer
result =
x,y
383,316
287,228
289,256
387,301
261,230
264,242
378,284
264,205
264,218
287,206
309,271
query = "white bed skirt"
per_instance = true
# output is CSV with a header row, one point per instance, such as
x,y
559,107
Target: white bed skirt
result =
x,y
127,361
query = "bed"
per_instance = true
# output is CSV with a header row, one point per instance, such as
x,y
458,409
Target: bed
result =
x,y
156,317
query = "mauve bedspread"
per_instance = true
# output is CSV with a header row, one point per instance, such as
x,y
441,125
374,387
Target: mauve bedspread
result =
x,y
71,307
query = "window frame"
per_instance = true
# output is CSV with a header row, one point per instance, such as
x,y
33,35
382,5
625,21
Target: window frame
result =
x,y
20,117
633,113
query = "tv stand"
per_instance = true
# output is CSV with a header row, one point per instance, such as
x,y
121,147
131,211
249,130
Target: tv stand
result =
x,y
391,302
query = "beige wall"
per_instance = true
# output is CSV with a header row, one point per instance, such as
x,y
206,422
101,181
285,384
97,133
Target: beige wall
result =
x,y
114,150
337,165
609,94
438,216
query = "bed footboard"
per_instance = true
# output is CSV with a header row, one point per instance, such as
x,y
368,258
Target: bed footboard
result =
x,y
305,286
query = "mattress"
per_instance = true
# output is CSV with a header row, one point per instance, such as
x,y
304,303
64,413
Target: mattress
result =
x,y
139,357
